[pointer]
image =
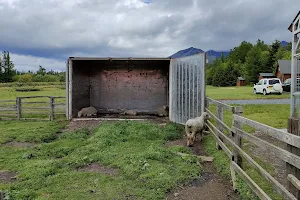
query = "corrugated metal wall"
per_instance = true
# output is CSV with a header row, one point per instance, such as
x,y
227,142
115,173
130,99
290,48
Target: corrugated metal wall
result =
x,y
187,87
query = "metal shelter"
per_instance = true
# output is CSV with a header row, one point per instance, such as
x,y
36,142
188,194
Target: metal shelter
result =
x,y
295,67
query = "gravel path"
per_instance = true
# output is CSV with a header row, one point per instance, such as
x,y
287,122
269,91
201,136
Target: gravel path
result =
x,y
257,101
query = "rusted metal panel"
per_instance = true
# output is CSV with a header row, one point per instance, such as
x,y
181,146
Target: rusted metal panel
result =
x,y
80,87
141,88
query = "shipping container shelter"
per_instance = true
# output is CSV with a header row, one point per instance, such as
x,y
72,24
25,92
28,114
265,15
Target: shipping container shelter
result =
x,y
113,85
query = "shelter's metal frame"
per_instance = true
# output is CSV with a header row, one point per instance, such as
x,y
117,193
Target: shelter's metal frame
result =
x,y
187,87
295,67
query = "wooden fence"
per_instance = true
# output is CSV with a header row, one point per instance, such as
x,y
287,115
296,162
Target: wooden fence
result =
x,y
231,144
32,108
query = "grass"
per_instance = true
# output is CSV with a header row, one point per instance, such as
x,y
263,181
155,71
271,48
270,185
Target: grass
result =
x,y
147,170
245,92
272,115
9,93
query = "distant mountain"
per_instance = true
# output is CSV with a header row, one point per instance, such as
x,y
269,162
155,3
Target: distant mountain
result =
x,y
186,52
283,43
211,54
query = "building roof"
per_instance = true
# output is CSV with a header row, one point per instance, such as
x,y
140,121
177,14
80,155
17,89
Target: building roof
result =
x,y
285,66
266,74
241,79
291,25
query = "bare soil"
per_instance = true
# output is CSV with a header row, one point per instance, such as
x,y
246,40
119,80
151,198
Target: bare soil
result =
x,y
92,123
19,144
269,157
96,167
7,177
75,125
209,186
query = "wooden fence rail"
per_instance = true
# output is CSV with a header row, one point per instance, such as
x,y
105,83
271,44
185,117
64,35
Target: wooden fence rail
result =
x,y
234,141
32,108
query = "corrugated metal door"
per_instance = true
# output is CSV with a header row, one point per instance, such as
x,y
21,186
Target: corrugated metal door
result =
x,y
187,87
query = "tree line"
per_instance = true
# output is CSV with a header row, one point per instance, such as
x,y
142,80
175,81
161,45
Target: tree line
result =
x,y
246,60
40,75
8,73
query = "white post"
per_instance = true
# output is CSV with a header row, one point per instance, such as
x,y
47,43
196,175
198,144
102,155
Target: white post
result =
x,y
70,89
171,93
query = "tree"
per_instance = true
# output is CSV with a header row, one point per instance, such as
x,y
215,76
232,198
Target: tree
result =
x,y
8,67
41,71
253,64
239,53
272,57
1,71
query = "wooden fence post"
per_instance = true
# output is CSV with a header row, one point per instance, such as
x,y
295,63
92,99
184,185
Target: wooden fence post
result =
x,y
51,108
293,128
220,116
1,195
19,107
237,139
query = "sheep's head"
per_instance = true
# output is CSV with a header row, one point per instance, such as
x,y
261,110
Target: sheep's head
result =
x,y
190,139
166,107
79,113
206,116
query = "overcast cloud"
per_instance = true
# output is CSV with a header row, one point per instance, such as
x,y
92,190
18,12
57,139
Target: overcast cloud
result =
x,y
47,32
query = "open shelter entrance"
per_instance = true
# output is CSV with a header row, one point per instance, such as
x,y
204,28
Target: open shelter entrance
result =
x,y
114,85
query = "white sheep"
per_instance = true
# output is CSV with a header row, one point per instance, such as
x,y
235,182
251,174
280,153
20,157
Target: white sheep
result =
x,y
195,126
163,111
87,112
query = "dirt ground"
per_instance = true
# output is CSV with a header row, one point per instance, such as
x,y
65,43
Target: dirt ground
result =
x,y
96,167
19,144
209,186
7,176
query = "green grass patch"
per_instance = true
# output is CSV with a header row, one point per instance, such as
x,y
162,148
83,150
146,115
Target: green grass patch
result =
x,y
147,170
10,93
245,92
27,89
22,131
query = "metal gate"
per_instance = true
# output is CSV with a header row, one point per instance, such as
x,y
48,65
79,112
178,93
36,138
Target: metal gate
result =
x,y
187,87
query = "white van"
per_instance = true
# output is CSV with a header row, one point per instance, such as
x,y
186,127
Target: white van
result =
x,y
268,86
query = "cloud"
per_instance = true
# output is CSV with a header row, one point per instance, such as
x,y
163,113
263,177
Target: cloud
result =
x,y
32,63
53,30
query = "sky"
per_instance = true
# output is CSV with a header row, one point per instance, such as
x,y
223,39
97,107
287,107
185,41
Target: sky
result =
x,y
47,32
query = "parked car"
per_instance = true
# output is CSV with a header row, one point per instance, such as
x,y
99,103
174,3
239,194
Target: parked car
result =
x,y
286,85
268,86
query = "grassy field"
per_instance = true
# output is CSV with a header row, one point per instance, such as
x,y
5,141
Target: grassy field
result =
x,y
9,93
48,170
245,92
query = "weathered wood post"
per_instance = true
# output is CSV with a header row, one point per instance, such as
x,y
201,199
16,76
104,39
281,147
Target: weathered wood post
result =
x,y
238,110
220,116
1,195
51,108
19,107
293,128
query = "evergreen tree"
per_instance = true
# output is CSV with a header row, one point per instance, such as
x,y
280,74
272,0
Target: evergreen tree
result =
x,y
273,58
8,67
